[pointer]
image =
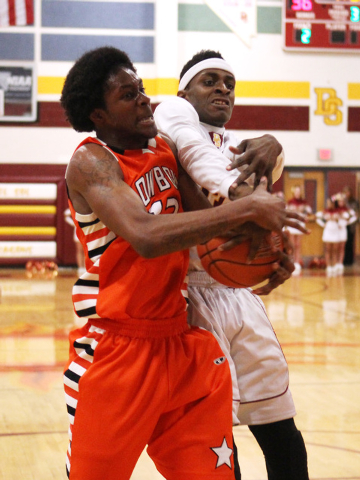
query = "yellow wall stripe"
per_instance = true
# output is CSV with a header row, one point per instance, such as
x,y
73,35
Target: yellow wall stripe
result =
x,y
272,89
354,91
50,85
26,209
169,86
28,231
160,86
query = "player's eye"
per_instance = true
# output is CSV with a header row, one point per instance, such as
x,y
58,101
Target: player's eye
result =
x,y
130,95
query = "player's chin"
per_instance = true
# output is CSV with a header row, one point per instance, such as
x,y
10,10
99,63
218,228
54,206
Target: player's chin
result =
x,y
148,131
220,116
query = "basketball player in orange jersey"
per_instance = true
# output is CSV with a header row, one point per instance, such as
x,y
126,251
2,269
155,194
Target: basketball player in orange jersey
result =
x,y
137,374
193,124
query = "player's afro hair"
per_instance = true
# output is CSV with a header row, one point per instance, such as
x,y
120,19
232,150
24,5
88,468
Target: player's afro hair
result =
x,y
199,57
85,84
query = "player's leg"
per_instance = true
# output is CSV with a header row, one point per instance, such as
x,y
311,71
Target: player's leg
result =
x,y
206,309
340,258
258,356
261,368
284,450
193,437
212,309
297,253
112,410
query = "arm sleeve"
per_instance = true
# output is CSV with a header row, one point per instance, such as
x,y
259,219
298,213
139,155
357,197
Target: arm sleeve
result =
x,y
179,125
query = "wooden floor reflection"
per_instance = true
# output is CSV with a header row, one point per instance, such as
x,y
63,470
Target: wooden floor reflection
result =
x,y
317,320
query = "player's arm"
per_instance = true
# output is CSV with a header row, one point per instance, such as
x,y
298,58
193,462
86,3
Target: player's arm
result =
x,y
352,217
261,156
320,220
192,198
96,184
283,269
179,125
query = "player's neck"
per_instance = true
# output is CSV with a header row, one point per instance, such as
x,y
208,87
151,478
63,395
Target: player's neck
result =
x,y
213,128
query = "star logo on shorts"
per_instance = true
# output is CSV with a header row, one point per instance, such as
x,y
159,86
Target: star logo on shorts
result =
x,y
224,453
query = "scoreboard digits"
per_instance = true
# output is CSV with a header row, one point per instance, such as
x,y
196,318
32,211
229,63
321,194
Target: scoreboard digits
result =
x,y
305,5
322,25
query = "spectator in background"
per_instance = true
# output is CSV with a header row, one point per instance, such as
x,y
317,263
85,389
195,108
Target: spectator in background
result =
x,y
299,205
328,220
347,217
352,204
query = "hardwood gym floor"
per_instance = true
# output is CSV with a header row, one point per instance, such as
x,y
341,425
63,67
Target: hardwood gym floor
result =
x,y
317,320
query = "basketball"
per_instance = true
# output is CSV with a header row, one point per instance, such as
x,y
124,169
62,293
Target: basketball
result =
x,y
231,268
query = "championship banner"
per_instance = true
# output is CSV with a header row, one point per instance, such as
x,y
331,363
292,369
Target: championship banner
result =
x,y
238,15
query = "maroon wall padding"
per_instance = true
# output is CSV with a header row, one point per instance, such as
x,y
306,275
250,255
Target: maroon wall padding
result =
x,y
338,179
27,219
265,117
49,114
310,193
353,119
34,173
244,117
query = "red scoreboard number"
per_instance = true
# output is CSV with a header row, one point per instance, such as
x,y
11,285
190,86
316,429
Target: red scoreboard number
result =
x,y
322,25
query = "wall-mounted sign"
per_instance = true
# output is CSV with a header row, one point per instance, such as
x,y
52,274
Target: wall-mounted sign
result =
x,y
17,94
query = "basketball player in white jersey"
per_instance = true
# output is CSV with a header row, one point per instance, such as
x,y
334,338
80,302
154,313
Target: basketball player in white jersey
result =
x,y
193,124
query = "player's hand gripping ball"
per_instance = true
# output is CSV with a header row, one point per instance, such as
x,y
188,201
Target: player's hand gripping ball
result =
x,y
232,268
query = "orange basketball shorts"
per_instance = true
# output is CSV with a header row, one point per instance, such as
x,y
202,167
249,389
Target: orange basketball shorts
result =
x,y
160,384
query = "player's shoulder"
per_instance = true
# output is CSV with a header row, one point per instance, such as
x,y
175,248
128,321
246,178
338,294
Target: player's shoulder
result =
x,y
89,150
89,154
175,105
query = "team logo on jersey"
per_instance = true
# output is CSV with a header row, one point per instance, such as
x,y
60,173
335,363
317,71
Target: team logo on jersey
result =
x,y
216,138
220,360
223,453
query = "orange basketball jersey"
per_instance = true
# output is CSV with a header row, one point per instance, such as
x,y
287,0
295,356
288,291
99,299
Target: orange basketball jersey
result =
x,y
118,283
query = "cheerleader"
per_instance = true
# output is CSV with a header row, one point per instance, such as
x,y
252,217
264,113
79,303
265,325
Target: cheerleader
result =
x,y
328,219
298,204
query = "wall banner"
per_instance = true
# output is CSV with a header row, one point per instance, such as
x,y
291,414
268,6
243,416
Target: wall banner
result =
x,y
238,15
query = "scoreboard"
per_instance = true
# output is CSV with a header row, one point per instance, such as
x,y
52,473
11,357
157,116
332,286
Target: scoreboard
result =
x,y
322,25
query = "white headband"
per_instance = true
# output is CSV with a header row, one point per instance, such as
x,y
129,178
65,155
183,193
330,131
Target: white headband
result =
x,y
205,64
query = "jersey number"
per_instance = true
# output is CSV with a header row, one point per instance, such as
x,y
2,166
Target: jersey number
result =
x,y
171,204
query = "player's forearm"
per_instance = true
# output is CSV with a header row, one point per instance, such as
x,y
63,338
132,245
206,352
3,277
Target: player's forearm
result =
x,y
207,167
164,234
